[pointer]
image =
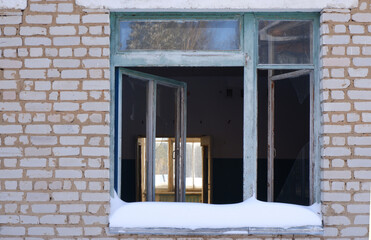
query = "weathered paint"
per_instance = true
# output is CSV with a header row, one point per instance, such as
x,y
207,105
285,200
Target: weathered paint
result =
x,y
194,5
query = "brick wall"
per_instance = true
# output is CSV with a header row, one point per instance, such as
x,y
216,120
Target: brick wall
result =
x,y
54,112
346,102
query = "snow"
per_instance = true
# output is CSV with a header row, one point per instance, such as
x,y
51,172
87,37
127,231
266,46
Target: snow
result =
x,y
250,213
13,4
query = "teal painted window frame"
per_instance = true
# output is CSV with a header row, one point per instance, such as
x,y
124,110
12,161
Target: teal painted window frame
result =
x,y
246,57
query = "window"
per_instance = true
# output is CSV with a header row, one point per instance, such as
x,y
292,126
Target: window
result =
x,y
215,108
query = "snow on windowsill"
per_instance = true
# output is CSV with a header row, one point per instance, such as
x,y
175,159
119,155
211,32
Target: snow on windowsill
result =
x,y
248,217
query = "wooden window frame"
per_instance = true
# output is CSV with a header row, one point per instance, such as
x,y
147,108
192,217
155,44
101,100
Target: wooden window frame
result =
x,y
246,58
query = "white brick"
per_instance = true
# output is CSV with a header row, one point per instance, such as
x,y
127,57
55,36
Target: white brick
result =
x,y
366,50
9,219
8,84
336,151
38,129
39,19
336,62
66,63
95,18
95,151
31,95
362,219
39,174
64,30
37,41
96,85
337,95
95,106
364,128
66,41
44,208
96,173
364,174
71,95
10,31
68,19
358,72
335,197
33,151
95,129
335,39
95,30
34,7
89,41
95,63
9,174
31,31
337,72
363,106
10,106
6,63
362,95
37,197
66,151
66,106
80,52
12,231
362,152
336,175
6,129
72,208
65,196
69,231
362,62
361,17
38,107
65,85
95,197
92,231
335,17
90,220
32,74
65,52
68,173
359,140
42,86
40,231
358,208
44,140
362,83
33,162
335,83
10,53
353,50
336,220
354,231
337,128
53,219
66,129
37,62
10,20
72,162
65,7
11,42
356,29
340,29
74,74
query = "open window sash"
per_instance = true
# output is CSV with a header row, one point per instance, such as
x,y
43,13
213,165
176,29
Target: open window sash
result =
x,y
153,83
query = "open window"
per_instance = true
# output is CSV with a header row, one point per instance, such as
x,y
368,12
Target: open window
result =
x,y
216,108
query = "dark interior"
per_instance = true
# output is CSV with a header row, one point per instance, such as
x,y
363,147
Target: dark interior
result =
x,y
215,109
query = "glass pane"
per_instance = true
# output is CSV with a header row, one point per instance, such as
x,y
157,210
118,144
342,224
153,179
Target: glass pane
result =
x,y
194,165
134,105
165,129
291,139
180,35
285,42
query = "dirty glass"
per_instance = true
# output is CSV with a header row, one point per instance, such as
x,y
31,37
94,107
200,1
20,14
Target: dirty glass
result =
x,y
180,35
285,42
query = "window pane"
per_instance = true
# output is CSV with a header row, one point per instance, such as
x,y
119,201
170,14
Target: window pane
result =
x,y
285,42
180,35
194,165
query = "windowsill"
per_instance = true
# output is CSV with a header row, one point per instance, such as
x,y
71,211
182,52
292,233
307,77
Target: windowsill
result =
x,y
305,230
251,217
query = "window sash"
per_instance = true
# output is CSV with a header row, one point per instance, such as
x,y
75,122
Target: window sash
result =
x,y
247,58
